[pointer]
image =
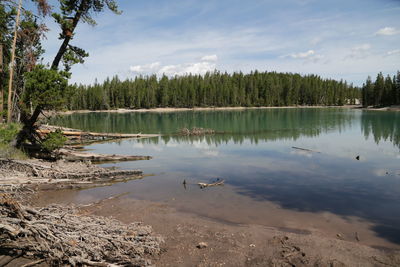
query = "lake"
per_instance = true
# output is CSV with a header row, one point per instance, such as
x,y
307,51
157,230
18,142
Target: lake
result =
x,y
347,181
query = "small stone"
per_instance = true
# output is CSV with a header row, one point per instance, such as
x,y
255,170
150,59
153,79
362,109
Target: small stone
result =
x,y
252,245
202,245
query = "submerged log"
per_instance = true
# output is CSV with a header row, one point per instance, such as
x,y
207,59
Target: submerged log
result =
x,y
305,149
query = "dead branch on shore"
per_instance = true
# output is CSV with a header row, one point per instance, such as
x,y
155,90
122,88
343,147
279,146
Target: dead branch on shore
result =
x,y
61,236
204,185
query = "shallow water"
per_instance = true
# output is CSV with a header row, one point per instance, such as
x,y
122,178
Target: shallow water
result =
x,y
267,181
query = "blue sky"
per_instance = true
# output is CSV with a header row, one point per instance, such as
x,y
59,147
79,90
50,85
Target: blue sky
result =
x,y
336,39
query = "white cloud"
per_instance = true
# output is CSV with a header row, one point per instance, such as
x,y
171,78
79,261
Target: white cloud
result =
x,y
145,68
211,58
207,64
362,47
307,54
387,31
393,52
359,51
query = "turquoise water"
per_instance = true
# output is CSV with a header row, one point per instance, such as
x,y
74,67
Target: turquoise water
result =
x,y
253,152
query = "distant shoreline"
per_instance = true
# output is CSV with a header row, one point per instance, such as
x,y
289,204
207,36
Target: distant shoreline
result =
x,y
170,109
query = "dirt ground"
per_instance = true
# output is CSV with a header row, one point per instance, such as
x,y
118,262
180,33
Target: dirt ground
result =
x,y
228,244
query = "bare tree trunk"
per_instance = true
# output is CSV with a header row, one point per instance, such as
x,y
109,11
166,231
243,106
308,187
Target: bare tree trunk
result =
x,y
1,84
63,48
9,114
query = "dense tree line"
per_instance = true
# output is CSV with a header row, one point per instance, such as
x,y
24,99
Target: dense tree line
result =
x,y
382,92
213,89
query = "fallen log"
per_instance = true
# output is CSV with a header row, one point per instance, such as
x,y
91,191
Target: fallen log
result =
x,y
18,175
72,155
97,135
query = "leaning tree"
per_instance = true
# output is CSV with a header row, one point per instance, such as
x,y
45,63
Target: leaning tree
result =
x,y
71,13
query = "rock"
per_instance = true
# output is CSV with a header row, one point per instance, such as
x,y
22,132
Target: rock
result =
x,y
202,245
252,245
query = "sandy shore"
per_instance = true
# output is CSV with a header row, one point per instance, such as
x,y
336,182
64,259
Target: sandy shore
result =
x,y
164,110
228,244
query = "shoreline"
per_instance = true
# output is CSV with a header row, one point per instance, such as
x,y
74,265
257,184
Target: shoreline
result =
x,y
230,244
171,109
166,110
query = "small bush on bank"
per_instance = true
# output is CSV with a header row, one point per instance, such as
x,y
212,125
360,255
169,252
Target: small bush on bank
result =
x,y
54,141
8,131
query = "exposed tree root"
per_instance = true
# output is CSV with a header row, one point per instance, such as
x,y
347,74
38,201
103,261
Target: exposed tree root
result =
x,y
61,235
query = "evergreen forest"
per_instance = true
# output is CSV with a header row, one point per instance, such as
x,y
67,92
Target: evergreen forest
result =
x,y
214,89
382,92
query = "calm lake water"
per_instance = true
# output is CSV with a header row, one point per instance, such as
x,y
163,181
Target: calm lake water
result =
x,y
267,181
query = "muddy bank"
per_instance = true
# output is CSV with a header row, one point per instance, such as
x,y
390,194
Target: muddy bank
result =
x,y
191,240
55,235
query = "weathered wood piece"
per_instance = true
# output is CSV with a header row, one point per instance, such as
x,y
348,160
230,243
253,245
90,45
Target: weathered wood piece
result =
x,y
73,155
204,185
75,133
17,173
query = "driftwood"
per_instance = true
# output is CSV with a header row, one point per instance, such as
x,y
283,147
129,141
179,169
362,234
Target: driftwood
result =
x,y
204,185
73,155
97,135
17,173
305,149
83,136
61,236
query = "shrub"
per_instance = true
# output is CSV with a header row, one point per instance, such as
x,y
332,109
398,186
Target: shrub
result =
x,y
53,141
8,132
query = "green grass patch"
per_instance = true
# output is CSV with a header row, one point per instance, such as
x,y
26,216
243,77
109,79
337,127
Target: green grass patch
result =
x,y
7,134
8,131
